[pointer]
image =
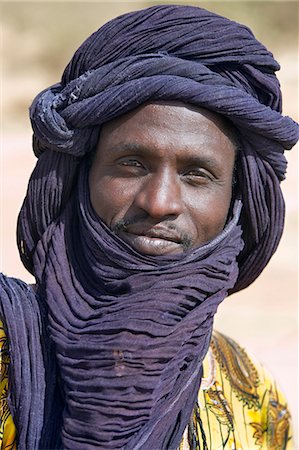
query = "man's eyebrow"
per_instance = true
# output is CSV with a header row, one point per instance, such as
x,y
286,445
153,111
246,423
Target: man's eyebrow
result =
x,y
186,159
124,147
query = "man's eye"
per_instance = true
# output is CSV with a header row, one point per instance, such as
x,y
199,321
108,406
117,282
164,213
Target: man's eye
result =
x,y
131,163
198,176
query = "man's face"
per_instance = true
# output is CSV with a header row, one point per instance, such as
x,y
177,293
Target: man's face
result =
x,y
162,177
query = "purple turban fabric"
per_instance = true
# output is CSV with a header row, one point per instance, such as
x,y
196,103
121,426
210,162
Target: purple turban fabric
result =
x,y
130,331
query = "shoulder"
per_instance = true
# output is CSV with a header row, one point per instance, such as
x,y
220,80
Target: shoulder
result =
x,y
16,298
10,286
19,308
239,403
32,366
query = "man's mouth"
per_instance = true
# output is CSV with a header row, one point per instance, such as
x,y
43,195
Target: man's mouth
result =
x,y
155,240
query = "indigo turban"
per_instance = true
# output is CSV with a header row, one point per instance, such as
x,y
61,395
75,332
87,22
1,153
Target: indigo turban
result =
x,y
131,331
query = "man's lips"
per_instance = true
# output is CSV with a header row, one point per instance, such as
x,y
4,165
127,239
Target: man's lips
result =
x,y
154,232
152,241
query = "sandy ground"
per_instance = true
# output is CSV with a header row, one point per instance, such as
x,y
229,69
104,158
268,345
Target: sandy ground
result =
x,y
263,318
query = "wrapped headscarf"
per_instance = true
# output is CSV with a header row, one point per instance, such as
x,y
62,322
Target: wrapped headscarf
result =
x,y
131,331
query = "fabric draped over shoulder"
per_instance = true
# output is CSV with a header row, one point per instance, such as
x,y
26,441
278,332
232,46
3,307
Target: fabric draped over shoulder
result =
x,y
34,398
131,373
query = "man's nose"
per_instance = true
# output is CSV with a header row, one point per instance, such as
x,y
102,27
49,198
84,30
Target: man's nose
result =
x,y
160,195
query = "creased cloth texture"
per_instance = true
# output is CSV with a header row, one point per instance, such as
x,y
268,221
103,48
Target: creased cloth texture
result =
x,y
85,274
34,397
130,331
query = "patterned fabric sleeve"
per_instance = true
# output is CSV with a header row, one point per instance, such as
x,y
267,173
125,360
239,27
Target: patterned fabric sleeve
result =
x,y
239,404
7,427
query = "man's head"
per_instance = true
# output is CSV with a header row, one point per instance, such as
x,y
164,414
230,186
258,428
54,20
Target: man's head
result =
x,y
162,177
161,54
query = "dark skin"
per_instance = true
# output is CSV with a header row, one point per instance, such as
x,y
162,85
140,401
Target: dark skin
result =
x,y
162,177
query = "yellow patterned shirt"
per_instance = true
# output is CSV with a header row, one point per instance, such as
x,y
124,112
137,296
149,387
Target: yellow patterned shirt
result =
x,y
238,407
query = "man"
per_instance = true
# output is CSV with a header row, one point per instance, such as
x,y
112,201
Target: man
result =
x,y
156,194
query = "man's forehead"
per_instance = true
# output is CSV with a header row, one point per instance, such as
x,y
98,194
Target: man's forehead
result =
x,y
194,123
168,131
161,113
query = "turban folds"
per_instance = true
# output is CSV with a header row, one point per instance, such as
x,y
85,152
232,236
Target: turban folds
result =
x,y
163,53
167,53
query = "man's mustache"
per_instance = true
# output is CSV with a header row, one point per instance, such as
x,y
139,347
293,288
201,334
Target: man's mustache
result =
x,y
185,239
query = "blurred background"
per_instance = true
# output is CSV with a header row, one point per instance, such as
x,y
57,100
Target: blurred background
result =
x,y
39,38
